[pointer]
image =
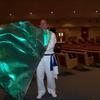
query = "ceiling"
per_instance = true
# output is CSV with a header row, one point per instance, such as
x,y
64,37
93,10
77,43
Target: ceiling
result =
x,y
50,9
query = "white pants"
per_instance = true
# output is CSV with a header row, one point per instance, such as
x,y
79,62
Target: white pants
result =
x,y
42,69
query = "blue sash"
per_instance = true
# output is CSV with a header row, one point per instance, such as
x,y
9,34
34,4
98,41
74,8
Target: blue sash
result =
x,y
53,61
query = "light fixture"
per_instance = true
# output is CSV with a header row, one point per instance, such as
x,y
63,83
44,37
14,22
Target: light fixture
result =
x,y
30,13
61,34
74,11
52,12
97,11
10,14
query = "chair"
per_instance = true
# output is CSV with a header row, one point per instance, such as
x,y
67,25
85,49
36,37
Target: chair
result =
x,y
71,60
68,60
61,59
89,58
86,58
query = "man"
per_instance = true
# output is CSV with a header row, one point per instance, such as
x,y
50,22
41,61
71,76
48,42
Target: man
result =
x,y
48,64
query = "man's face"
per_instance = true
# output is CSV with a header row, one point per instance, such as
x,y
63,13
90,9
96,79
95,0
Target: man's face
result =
x,y
43,24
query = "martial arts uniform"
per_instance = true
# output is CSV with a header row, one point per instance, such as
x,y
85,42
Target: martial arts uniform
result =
x,y
48,66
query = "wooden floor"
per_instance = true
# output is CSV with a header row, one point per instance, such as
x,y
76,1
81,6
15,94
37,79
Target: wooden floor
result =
x,y
72,85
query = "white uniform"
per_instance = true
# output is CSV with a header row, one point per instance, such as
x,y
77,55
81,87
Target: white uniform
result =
x,y
44,68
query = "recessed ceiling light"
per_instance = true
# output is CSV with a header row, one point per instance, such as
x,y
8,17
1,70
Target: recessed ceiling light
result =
x,y
97,11
74,11
10,14
30,13
52,12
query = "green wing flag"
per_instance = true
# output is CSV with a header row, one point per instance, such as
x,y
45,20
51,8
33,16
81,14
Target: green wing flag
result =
x,y
21,49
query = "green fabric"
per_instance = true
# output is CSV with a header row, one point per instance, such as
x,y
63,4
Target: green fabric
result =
x,y
46,37
21,49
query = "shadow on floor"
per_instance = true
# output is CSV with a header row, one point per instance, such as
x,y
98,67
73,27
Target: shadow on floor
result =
x,y
82,68
67,73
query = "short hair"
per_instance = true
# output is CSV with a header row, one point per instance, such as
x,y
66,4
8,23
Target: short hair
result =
x,y
43,20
